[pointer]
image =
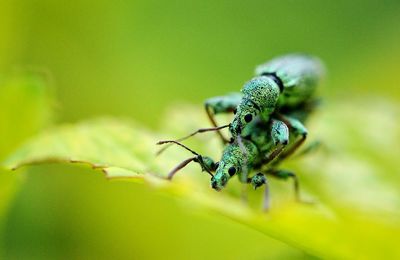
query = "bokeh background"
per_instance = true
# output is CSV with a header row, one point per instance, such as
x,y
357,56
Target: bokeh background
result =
x,y
135,59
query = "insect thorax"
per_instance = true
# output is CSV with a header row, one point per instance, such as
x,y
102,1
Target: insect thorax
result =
x,y
262,93
234,155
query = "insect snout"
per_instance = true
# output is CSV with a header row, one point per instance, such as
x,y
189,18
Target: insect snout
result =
x,y
219,181
214,185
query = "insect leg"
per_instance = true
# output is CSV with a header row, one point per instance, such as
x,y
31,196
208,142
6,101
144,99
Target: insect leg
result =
x,y
266,200
310,148
201,130
214,106
299,130
284,175
219,105
280,136
257,181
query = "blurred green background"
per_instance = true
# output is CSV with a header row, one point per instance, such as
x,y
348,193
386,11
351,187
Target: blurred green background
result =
x,y
136,58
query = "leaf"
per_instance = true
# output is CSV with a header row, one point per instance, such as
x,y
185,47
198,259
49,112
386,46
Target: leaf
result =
x,y
351,182
101,143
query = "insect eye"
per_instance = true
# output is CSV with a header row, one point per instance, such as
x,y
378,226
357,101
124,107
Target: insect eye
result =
x,y
232,171
248,118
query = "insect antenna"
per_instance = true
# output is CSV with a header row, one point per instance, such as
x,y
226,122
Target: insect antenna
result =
x,y
178,143
201,130
198,158
179,167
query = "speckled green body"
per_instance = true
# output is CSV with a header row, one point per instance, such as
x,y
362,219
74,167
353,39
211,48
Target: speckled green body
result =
x,y
260,96
285,82
258,140
233,156
271,106
300,75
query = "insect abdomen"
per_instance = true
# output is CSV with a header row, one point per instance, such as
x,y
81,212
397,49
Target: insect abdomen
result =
x,y
300,74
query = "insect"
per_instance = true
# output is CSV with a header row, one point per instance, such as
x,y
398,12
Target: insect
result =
x,y
282,84
270,106
254,154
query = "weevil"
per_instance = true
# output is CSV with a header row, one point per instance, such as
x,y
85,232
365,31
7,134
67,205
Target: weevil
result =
x,y
281,96
255,153
283,85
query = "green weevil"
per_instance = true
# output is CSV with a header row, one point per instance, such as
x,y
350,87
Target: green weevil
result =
x,y
255,153
284,84
280,97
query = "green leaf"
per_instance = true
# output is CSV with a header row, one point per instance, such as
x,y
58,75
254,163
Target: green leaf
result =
x,y
353,179
113,145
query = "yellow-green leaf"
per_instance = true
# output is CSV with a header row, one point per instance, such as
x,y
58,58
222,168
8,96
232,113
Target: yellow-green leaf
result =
x,y
101,143
352,179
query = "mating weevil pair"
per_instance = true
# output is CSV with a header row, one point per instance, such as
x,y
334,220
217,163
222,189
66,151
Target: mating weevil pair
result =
x,y
268,122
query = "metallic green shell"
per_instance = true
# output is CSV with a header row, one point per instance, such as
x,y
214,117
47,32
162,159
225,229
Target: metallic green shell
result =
x,y
263,92
300,74
260,94
233,156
